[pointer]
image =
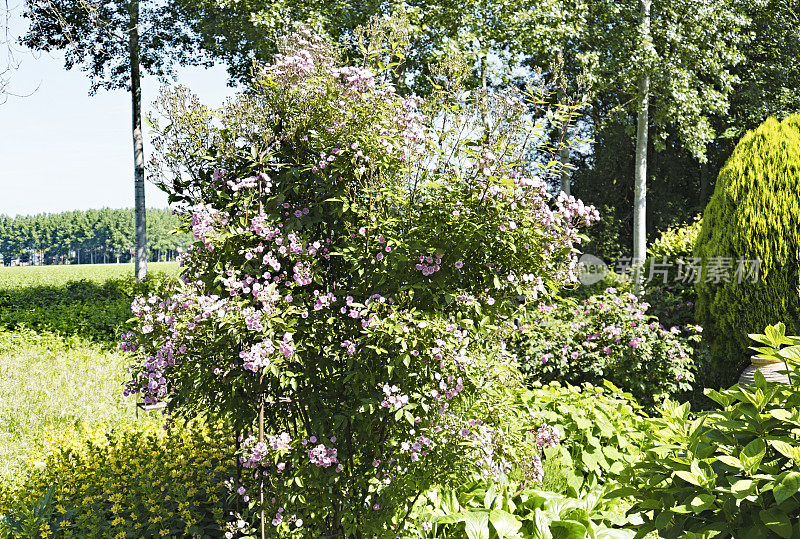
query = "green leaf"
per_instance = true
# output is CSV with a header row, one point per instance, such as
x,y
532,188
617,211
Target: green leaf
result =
x,y
702,502
784,448
505,524
792,353
688,477
787,487
477,524
567,529
777,521
752,455
743,488
730,461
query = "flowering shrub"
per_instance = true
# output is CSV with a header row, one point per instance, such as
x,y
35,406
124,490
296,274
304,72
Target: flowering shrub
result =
x,y
132,482
357,257
607,336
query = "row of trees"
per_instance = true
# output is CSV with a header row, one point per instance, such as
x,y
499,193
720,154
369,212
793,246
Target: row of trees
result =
x,y
86,237
670,84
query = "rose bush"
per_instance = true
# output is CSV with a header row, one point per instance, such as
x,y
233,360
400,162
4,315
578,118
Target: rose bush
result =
x,y
358,259
607,336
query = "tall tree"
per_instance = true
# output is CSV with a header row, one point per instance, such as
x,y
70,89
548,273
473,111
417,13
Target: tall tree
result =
x,y
113,41
659,68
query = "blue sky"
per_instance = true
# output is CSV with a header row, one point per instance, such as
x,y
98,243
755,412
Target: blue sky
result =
x,y
61,149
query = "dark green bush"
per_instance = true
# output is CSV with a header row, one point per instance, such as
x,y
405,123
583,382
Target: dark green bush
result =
x,y
96,311
753,214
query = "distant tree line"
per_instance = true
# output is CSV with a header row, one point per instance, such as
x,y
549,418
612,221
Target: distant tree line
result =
x,y
87,237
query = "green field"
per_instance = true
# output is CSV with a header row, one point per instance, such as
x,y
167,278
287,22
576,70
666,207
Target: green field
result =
x,y
27,276
59,363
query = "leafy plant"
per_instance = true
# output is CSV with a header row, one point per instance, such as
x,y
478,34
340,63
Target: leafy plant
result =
x,y
777,346
357,262
754,215
503,510
30,521
728,472
133,480
602,430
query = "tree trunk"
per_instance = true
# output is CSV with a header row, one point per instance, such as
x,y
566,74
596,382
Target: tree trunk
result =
x,y
704,185
640,175
138,144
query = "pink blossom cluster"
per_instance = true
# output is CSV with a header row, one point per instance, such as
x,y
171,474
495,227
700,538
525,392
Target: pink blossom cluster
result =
x,y
393,398
260,180
322,456
429,264
257,357
204,223
547,436
417,448
349,347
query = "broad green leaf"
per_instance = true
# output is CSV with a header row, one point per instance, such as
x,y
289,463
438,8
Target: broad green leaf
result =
x,y
689,477
702,502
743,488
752,455
567,529
477,524
505,524
784,448
787,487
730,461
777,521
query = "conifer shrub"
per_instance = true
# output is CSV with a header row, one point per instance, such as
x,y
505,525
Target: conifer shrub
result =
x,y
753,214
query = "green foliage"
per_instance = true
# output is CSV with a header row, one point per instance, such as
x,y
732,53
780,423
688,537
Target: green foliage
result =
x,y
727,472
49,384
29,521
753,214
357,265
602,430
775,345
504,510
97,309
606,336
677,242
133,481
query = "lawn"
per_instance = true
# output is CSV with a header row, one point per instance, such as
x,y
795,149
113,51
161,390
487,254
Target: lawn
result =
x,y
50,384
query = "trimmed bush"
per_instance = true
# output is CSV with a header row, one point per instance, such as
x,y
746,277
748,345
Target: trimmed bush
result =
x,y
753,214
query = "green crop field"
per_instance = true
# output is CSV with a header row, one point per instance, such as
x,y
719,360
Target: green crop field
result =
x,y
25,276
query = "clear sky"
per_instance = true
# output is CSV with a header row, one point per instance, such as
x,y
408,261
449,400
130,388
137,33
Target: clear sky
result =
x,y
61,149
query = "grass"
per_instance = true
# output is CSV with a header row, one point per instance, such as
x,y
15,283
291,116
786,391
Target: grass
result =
x,y
50,383
27,276
59,366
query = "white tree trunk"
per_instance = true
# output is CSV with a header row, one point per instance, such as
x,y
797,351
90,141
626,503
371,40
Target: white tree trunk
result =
x,y
640,173
138,145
